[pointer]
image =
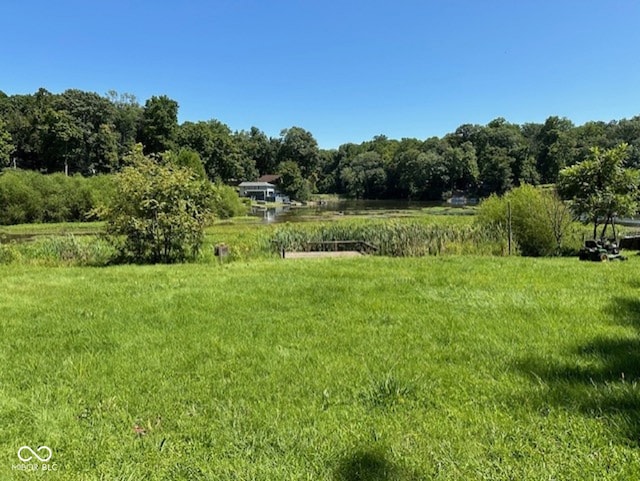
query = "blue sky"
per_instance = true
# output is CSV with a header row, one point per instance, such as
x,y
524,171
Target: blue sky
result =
x,y
344,70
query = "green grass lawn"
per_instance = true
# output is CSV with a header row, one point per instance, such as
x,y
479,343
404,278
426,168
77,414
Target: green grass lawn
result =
x,y
438,368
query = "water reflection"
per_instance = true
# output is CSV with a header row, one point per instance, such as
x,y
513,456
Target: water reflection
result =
x,y
288,213
269,214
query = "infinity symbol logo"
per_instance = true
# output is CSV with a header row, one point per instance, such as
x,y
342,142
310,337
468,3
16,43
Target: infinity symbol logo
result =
x,y
35,454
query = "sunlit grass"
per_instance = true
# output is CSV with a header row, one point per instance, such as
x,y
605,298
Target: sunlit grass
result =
x,y
442,368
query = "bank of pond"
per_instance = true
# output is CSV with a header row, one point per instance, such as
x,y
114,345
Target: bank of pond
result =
x,y
248,239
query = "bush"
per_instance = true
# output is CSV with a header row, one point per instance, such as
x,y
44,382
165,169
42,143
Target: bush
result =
x,y
540,221
159,212
30,197
20,202
9,254
226,203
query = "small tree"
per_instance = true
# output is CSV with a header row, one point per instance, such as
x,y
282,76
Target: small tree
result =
x,y
539,221
159,211
600,188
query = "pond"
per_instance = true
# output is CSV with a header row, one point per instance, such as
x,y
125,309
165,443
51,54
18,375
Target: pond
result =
x,y
286,213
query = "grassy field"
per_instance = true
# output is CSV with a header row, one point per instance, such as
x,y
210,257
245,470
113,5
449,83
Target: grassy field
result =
x,y
438,368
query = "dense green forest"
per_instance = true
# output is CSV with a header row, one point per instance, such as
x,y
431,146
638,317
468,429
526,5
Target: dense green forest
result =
x,y
86,133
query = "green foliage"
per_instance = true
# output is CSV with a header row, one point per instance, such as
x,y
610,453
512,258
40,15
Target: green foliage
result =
x,y
29,197
186,158
159,212
19,201
539,220
221,153
66,250
299,146
260,148
6,145
292,183
399,238
159,124
601,187
226,202
9,254
83,132
365,176
557,145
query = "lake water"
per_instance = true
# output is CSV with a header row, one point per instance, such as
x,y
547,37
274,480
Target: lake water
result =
x,y
287,213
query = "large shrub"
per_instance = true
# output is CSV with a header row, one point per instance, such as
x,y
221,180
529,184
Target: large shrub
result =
x,y
29,197
159,211
540,221
226,202
20,202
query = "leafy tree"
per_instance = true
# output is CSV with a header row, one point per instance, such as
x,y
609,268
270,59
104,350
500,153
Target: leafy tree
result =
x,y
61,142
6,145
462,166
328,171
292,183
496,174
383,146
25,118
557,146
159,211
501,148
259,148
127,120
105,150
365,176
159,124
85,122
600,188
299,146
410,171
221,154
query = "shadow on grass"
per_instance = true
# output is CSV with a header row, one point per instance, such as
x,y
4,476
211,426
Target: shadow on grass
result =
x,y
601,378
371,465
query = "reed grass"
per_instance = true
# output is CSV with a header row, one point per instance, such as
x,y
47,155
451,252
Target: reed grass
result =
x,y
396,237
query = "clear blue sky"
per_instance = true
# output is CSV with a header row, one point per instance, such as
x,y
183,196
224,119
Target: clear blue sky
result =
x,y
344,70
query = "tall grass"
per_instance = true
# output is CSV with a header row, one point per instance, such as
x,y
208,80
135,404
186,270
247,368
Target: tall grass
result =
x,y
67,250
397,238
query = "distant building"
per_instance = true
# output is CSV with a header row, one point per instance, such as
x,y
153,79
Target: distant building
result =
x,y
261,191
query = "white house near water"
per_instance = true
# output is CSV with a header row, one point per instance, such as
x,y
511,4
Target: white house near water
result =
x,y
257,190
261,191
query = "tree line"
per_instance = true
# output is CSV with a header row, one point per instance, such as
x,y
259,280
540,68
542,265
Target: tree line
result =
x,y
87,133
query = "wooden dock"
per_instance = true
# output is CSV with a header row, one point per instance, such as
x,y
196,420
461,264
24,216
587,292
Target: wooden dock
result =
x,y
345,248
320,254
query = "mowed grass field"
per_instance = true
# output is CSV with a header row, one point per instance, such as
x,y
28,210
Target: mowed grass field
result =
x,y
438,368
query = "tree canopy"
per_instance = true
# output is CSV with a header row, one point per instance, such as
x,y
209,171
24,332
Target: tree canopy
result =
x,y
87,133
600,187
